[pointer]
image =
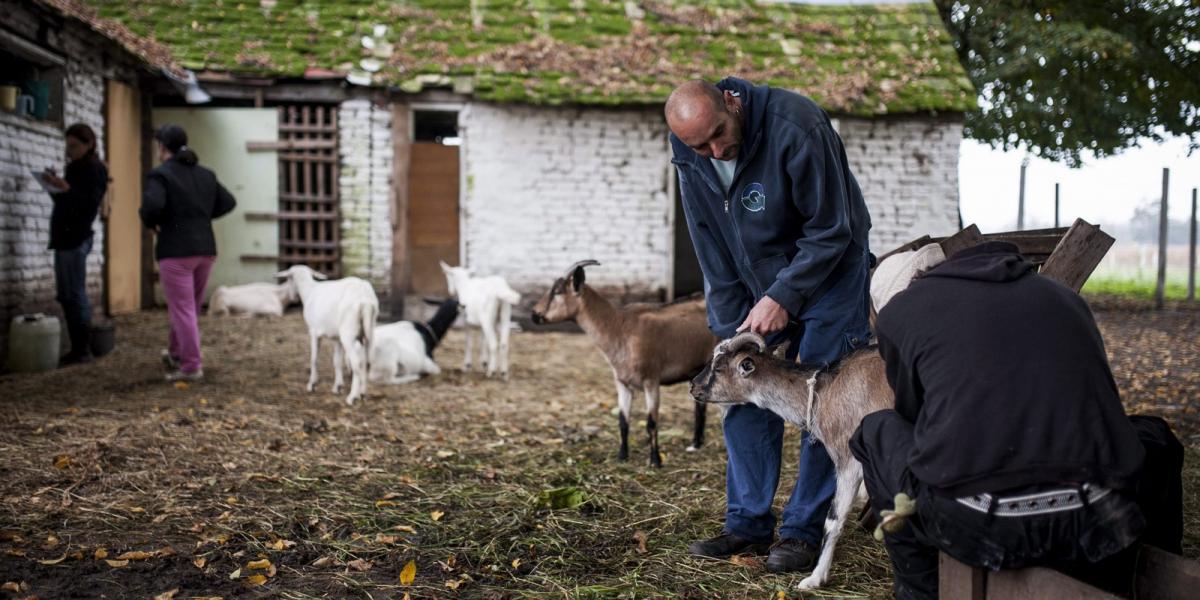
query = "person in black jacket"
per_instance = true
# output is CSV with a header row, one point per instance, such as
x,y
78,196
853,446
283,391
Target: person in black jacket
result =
x,y
179,202
75,207
1009,431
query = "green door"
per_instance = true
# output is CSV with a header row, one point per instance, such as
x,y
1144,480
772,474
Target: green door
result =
x,y
248,237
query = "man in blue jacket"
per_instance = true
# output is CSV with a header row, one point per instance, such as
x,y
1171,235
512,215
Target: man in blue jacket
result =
x,y
780,229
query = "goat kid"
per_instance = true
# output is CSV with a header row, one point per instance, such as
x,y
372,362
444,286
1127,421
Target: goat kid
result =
x,y
402,352
252,298
828,403
647,346
488,303
344,311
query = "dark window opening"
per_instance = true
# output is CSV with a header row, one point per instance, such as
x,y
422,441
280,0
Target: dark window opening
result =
x,y
440,126
31,81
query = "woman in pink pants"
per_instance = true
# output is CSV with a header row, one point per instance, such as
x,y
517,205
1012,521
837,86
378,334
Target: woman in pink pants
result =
x,y
179,202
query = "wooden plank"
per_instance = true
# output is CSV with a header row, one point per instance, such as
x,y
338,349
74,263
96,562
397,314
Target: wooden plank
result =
x,y
913,245
1077,255
259,257
261,216
401,171
1164,575
290,145
966,238
335,195
957,581
1037,583
1029,242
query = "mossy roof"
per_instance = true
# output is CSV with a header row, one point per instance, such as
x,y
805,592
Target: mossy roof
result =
x,y
150,52
853,59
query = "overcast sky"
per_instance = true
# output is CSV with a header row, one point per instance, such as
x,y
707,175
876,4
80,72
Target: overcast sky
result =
x,y
1103,192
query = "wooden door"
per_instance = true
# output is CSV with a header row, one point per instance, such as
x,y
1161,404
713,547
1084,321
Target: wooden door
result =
x,y
432,215
122,227
248,237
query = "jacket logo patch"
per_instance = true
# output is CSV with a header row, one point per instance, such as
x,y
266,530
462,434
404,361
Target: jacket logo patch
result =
x,y
754,197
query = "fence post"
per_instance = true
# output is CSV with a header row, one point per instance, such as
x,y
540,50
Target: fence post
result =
x,y
1056,206
1192,252
1021,198
1160,287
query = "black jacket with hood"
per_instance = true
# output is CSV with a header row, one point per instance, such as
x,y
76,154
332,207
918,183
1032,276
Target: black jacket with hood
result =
x,y
182,200
1004,376
75,209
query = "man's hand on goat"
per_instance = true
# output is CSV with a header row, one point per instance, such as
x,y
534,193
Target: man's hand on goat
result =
x,y
765,318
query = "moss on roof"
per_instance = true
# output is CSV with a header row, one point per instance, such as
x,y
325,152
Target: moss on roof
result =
x,y
853,59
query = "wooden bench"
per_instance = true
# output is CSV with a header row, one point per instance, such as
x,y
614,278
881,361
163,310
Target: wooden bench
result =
x,y
1159,575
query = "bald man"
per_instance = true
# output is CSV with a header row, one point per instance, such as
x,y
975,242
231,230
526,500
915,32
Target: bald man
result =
x,y
780,229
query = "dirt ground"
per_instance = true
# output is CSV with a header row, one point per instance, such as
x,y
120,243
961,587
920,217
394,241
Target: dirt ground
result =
x,y
119,486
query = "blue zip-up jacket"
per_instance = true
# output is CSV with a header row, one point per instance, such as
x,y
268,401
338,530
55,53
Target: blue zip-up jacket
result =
x,y
792,210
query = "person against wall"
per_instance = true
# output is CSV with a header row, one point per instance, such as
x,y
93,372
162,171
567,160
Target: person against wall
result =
x,y
179,202
82,189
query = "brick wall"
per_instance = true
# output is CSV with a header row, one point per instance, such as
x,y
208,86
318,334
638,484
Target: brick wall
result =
x,y
26,266
908,171
546,187
365,148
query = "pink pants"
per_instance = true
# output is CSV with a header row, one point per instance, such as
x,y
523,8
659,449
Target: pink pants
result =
x,y
183,281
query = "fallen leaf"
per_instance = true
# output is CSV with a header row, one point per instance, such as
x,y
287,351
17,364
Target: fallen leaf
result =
x,y
136,555
167,595
117,564
281,545
324,560
76,555
100,554
383,503
62,461
391,496
181,385
385,539
200,562
15,552
236,573
259,564
165,551
436,515
51,542
136,509
11,586
640,536
406,597
231,500
54,561
780,595
359,564
445,453
255,580
516,562
408,573
749,562
405,529
454,583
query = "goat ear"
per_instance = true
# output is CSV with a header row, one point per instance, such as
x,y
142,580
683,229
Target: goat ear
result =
x,y
779,350
445,267
319,275
746,367
285,274
577,279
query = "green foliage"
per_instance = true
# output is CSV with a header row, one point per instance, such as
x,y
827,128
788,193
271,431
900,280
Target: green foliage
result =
x,y
1063,78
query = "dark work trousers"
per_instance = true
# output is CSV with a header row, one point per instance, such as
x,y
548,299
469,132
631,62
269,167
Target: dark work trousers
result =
x,y
831,327
70,282
1093,543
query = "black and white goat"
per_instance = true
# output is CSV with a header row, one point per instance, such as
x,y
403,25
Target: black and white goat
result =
x,y
829,403
402,352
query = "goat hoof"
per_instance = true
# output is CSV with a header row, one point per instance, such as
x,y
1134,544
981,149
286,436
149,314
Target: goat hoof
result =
x,y
312,385
623,455
692,448
350,401
656,462
811,582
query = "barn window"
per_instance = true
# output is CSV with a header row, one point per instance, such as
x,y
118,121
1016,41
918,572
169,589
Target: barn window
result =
x,y
31,80
439,126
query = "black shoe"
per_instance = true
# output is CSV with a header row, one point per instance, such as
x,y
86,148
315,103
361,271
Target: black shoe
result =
x,y
74,358
726,545
790,554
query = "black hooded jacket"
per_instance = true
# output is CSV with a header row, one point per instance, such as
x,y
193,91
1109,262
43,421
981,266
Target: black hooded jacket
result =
x,y
1004,376
181,200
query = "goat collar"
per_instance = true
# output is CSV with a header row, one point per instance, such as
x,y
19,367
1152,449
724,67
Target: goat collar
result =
x,y
426,336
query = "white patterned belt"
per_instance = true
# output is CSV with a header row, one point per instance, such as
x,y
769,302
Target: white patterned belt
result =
x,y
1041,503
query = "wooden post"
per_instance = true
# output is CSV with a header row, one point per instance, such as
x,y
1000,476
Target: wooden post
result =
x,y
401,162
1021,198
957,581
1056,205
1077,254
1192,252
1160,287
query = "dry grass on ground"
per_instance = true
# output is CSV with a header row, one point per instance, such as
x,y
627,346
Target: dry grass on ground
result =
x,y
447,473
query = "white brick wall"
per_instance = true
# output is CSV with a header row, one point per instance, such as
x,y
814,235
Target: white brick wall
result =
x,y
26,266
365,147
546,187
908,171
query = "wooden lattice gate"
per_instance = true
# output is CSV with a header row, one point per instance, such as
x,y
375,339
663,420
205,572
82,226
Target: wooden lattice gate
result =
x,y
309,231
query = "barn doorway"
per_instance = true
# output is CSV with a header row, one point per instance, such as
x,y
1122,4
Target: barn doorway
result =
x,y
687,278
433,192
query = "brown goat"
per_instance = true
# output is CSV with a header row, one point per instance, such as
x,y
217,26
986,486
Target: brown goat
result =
x,y
828,403
646,345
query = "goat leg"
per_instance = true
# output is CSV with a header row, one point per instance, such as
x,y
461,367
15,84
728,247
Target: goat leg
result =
x,y
849,477
624,402
312,366
698,423
651,391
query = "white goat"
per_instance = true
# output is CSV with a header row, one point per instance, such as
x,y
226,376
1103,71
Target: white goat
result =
x,y
402,352
344,311
252,298
488,302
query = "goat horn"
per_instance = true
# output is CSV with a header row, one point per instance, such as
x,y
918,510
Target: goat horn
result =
x,y
583,263
744,339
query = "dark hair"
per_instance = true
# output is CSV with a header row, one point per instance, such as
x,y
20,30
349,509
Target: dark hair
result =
x,y
83,133
174,139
